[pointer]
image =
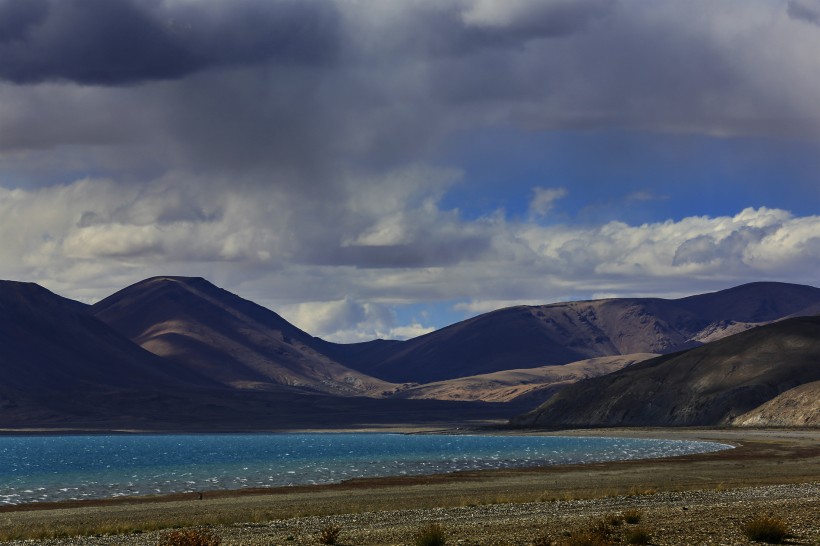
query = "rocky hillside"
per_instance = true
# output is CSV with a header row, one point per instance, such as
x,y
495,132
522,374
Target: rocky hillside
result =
x,y
709,385
797,407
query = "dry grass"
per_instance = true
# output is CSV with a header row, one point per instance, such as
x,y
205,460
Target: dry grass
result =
x,y
188,537
330,534
632,516
768,529
430,535
638,535
597,533
587,538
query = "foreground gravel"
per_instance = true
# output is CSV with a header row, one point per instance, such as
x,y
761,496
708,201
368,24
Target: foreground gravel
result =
x,y
708,517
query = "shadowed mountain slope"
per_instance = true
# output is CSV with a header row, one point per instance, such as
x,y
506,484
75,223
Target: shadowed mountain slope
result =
x,y
535,336
708,385
54,352
226,338
53,344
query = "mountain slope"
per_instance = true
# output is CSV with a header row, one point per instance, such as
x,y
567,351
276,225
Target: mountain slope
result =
x,y
53,344
708,385
534,336
521,386
226,338
54,353
797,407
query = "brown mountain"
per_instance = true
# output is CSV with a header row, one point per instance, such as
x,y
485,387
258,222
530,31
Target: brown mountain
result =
x,y
233,341
707,385
559,333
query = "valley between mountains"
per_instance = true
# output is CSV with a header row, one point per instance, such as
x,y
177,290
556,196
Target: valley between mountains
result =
x,y
179,353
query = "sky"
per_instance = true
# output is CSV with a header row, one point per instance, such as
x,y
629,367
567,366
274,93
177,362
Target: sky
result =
x,y
383,168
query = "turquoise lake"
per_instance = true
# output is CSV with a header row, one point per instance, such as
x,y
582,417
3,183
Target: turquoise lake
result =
x,y
52,468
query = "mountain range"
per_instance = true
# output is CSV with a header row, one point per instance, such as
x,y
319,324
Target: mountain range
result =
x,y
179,352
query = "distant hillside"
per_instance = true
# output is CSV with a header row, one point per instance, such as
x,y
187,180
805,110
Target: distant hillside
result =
x,y
709,385
178,353
226,338
534,336
521,386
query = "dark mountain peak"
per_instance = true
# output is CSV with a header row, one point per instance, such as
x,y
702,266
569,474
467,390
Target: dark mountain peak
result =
x,y
29,297
23,290
167,284
753,302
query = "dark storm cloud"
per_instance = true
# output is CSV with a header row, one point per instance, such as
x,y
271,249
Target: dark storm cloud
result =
x,y
457,29
804,11
17,18
118,42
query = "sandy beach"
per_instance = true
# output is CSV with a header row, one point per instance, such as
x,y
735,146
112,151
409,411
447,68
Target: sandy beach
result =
x,y
696,499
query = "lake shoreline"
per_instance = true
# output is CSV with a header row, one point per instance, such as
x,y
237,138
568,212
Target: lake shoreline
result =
x,y
762,458
48,472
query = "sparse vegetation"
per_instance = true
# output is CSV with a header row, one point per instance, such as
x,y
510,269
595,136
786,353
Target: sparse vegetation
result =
x,y
638,535
599,533
587,538
330,534
613,520
633,516
542,539
189,537
768,529
431,535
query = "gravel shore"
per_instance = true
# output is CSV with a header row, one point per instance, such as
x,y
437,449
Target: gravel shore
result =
x,y
671,518
697,499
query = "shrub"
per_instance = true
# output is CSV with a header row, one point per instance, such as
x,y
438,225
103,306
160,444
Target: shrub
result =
x,y
633,516
602,528
431,535
330,534
613,519
638,535
188,537
599,533
767,529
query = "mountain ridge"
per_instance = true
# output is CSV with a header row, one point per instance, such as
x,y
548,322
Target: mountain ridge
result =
x,y
175,351
559,333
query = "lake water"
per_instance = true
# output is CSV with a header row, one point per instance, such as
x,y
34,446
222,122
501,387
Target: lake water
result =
x,y
51,468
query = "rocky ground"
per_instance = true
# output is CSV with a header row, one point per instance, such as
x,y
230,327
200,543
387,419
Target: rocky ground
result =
x,y
670,518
